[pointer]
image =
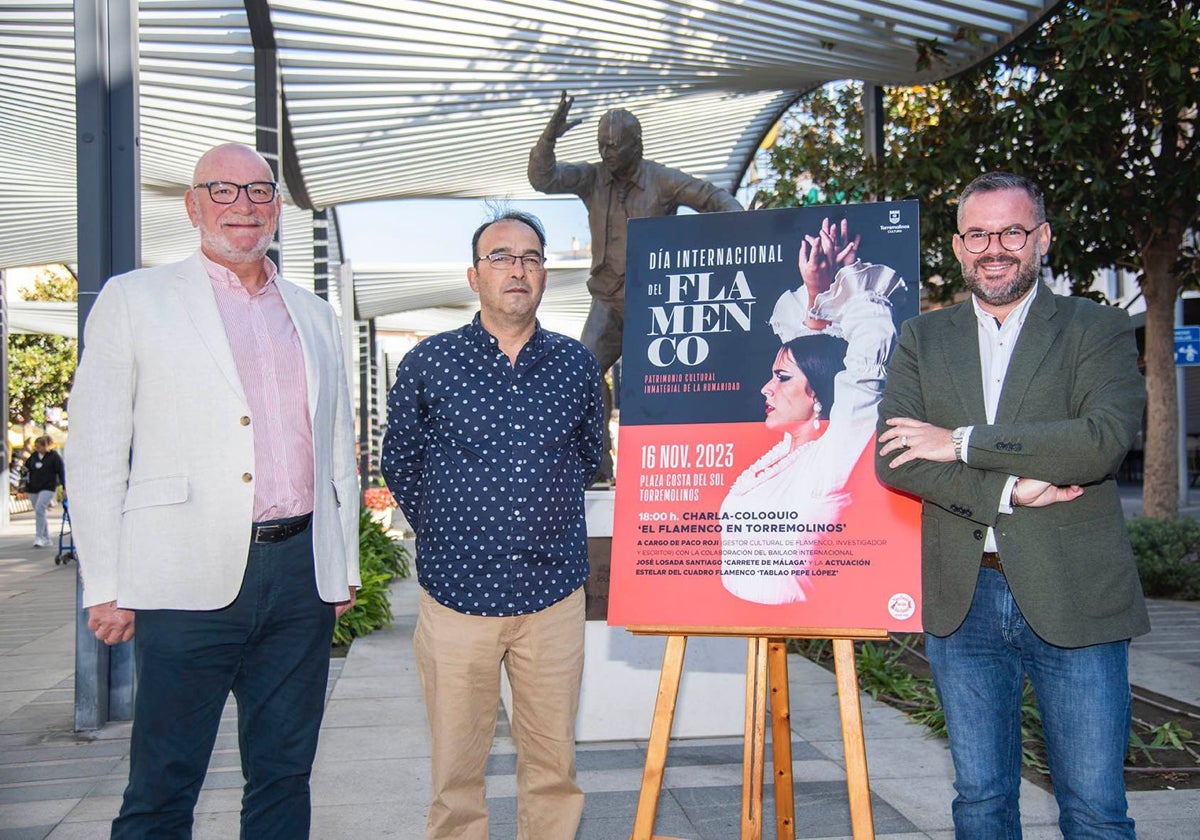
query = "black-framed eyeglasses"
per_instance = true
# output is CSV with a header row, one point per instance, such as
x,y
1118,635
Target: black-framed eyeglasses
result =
x,y
1011,239
532,262
226,192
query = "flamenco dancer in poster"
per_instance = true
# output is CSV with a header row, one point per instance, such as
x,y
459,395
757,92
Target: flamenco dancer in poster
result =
x,y
826,381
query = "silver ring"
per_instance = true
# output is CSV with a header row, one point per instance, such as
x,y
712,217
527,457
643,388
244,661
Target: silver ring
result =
x,y
904,441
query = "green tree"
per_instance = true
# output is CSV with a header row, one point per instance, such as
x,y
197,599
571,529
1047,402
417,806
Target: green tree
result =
x,y
40,366
819,156
1099,106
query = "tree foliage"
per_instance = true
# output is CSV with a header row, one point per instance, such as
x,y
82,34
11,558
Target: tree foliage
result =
x,y
820,159
40,367
1098,105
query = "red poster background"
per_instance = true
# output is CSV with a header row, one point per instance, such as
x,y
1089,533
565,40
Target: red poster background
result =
x,y
662,575
692,422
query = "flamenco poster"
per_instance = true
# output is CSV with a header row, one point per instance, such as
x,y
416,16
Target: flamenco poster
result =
x,y
754,358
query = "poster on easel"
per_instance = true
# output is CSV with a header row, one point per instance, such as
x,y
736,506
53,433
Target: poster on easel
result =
x,y
754,357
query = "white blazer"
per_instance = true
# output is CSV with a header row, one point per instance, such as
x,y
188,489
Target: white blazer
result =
x,y
161,457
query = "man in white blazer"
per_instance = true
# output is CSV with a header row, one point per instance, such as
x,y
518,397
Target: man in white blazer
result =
x,y
214,499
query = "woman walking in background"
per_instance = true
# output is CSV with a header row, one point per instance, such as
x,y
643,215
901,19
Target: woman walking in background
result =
x,y
45,468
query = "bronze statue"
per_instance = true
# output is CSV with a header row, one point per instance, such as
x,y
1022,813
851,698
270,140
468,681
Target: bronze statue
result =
x,y
622,186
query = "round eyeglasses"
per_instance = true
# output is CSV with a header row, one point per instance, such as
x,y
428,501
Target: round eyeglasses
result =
x,y
531,262
1011,239
225,192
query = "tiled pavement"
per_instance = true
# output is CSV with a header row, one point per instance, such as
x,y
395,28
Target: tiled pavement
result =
x,y
371,781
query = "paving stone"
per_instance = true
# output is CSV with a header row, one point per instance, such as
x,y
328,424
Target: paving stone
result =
x,y
371,777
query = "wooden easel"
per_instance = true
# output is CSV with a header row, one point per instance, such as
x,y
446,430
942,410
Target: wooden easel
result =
x,y
766,669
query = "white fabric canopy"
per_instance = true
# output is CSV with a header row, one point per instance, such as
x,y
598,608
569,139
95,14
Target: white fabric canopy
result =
x,y
418,98
35,316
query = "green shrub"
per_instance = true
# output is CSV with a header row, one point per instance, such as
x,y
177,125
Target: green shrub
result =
x,y
381,559
890,672
377,551
1168,556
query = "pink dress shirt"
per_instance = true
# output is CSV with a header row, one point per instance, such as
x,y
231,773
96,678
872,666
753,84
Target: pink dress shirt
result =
x,y
270,363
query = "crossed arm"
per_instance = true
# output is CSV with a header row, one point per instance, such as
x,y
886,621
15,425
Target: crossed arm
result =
x,y
915,440
1080,426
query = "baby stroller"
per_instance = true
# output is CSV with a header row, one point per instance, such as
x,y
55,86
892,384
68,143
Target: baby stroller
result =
x,y
66,540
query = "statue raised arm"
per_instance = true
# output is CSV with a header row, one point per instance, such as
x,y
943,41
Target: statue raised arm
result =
x,y
622,186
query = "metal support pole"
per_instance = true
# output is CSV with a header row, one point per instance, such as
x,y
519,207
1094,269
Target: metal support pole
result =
x,y
1181,407
320,223
367,437
346,298
266,102
350,350
873,120
109,236
4,516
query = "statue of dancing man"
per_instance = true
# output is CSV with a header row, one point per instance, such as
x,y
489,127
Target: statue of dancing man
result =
x,y
623,186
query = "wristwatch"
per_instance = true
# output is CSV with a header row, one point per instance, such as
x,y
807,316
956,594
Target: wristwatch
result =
x,y
958,436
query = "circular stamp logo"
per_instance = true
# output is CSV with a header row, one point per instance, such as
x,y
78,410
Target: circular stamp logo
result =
x,y
901,606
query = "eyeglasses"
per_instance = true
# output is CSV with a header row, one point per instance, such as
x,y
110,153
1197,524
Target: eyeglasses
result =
x,y
532,262
1011,239
224,192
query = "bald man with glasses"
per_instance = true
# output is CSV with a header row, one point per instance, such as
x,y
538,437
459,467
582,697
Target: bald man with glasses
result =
x,y
215,506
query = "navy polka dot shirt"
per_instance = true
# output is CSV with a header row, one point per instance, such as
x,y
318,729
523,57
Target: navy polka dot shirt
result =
x,y
489,462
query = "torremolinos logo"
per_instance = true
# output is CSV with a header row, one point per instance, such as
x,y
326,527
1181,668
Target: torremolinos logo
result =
x,y
894,224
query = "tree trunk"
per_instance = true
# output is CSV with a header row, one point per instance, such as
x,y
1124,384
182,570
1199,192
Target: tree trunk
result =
x,y
1160,482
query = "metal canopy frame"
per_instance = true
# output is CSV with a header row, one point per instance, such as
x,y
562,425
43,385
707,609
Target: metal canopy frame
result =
x,y
444,98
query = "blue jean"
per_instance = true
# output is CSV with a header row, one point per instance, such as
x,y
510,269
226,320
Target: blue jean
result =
x,y
1084,699
270,647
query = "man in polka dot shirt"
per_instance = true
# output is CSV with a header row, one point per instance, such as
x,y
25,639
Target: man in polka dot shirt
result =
x,y
494,431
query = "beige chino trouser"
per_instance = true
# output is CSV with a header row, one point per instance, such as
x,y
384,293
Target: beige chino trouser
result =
x,y
458,660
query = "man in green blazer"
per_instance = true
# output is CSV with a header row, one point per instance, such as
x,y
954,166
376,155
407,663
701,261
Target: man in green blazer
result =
x,y
1008,415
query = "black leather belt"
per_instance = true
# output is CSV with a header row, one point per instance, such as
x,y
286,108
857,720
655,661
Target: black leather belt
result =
x,y
278,530
991,560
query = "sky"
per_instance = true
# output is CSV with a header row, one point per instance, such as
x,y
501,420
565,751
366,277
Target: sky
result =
x,y
437,230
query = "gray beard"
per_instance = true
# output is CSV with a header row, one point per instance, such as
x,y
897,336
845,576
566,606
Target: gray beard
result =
x,y
1014,291
220,246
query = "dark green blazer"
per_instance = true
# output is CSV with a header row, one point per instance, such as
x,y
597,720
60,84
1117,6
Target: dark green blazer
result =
x,y
1069,410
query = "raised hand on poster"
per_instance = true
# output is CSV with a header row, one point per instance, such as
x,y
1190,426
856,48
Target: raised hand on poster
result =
x,y
823,254
820,258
